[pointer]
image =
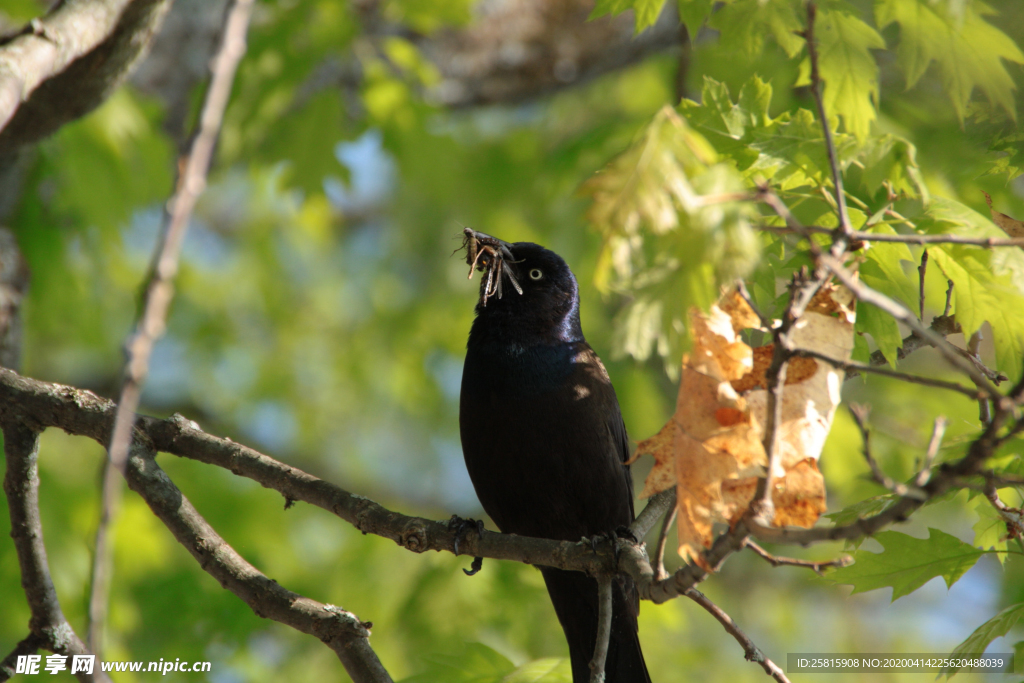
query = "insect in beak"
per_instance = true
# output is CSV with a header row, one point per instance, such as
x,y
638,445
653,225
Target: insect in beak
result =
x,y
489,254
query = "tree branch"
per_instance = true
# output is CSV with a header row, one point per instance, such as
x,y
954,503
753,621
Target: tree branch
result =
x,y
14,276
860,416
604,628
159,292
842,236
956,357
778,561
83,413
21,485
853,368
655,508
62,66
27,646
859,236
751,652
342,631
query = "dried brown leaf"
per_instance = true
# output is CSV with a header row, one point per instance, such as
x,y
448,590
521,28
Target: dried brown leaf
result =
x,y
711,449
1011,226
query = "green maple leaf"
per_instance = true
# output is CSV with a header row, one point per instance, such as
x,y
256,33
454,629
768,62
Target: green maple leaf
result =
x,y
745,24
989,283
908,563
475,663
997,626
662,242
848,69
968,50
979,295
883,329
547,670
646,12
990,529
693,14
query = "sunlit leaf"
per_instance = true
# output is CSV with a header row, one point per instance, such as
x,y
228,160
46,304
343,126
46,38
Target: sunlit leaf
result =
x,y
666,235
745,24
548,670
646,11
848,69
969,50
475,663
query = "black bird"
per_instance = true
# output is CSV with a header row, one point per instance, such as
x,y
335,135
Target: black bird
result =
x,y
543,435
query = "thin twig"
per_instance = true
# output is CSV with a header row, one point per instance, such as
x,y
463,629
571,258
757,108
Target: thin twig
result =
x,y
941,325
860,414
766,322
973,348
861,236
766,195
659,553
604,628
159,292
751,652
802,289
949,299
938,429
779,561
843,236
901,313
1012,517
1001,481
948,474
853,368
921,270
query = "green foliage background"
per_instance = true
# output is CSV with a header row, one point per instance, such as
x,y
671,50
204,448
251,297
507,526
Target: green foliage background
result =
x,y
320,317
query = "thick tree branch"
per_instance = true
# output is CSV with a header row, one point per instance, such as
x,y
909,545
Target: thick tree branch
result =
x,y
62,66
79,412
82,413
14,276
21,485
342,631
27,646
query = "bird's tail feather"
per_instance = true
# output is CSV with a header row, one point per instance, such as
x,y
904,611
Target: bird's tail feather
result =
x,y
574,596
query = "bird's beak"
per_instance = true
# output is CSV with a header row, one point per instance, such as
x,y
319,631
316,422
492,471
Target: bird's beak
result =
x,y
482,249
489,254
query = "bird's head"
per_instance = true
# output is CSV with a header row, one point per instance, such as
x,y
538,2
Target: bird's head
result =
x,y
524,285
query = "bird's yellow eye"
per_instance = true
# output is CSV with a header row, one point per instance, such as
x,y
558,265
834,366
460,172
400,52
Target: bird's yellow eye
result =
x,y
536,274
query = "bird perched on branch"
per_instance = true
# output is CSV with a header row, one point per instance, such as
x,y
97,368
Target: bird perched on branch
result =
x,y
543,435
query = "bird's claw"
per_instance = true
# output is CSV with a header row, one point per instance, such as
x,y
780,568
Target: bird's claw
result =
x,y
459,525
624,531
